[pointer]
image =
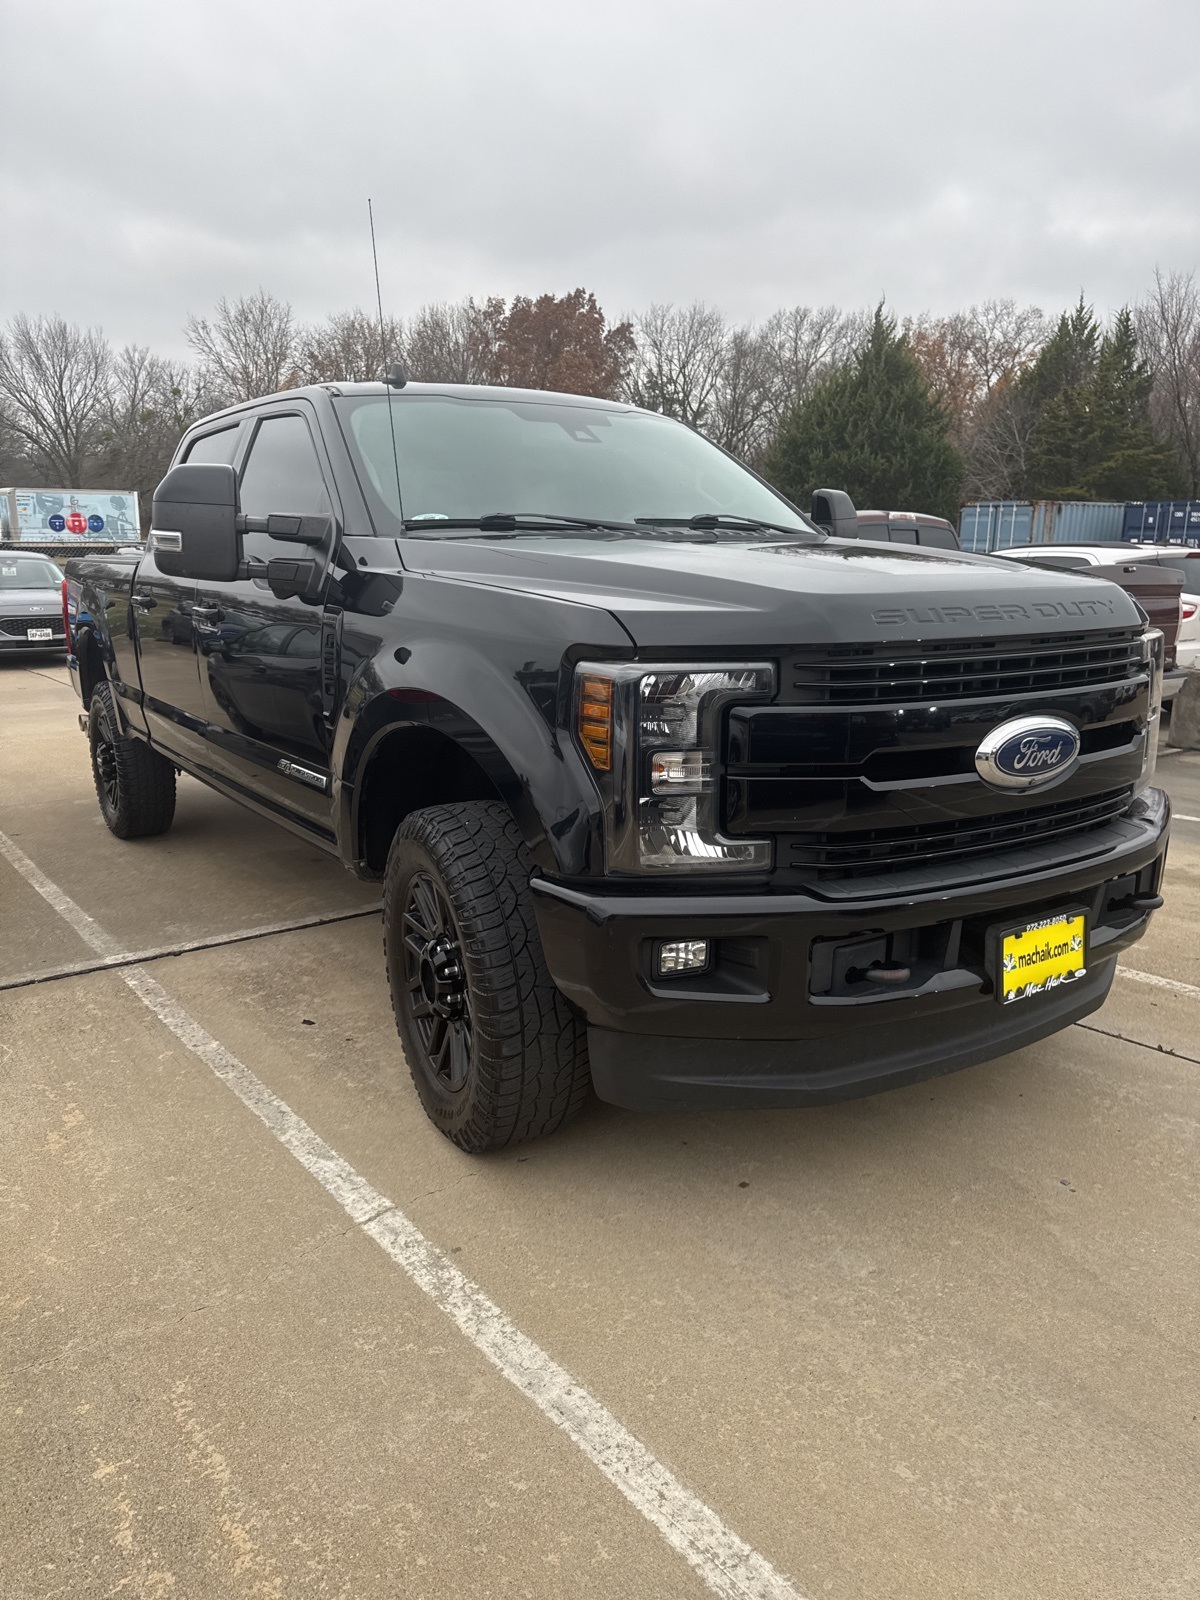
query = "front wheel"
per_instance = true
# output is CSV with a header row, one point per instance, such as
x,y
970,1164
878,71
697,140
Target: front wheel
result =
x,y
496,1053
134,784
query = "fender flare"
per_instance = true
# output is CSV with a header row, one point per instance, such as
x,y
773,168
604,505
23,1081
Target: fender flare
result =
x,y
538,774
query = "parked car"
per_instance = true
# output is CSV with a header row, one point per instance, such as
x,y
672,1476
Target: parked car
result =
x,y
670,792
31,602
1145,570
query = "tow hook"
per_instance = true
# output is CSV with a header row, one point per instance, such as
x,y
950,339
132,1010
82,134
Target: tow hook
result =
x,y
83,722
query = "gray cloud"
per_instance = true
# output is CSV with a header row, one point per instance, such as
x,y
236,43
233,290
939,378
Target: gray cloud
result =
x,y
158,156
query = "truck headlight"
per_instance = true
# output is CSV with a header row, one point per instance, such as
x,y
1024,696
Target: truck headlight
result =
x,y
652,738
1153,655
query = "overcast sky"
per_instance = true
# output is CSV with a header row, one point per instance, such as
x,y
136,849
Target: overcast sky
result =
x,y
157,154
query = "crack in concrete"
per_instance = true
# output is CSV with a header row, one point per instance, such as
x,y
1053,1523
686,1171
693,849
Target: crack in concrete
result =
x,y
1124,1038
133,958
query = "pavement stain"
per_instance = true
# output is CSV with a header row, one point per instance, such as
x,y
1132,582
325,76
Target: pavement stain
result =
x,y
238,1529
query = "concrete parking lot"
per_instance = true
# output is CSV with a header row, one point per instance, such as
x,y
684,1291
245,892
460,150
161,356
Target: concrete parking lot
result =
x,y
939,1343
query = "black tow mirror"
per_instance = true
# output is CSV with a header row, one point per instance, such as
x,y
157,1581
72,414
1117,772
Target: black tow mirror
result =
x,y
290,529
194,530
295,580
833,510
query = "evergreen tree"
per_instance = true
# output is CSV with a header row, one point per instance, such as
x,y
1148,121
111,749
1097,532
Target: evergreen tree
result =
x,y
1091,438
871,427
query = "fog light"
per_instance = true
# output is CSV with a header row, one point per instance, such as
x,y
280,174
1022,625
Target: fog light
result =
x,y
681,955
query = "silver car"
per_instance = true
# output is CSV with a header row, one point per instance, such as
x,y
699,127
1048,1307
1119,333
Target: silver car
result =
x,y
31,607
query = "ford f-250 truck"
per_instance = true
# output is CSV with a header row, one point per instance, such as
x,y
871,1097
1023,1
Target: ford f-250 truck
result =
x,y
670,791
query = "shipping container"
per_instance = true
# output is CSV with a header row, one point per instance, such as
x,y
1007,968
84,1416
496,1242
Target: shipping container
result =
x,y
1162,522
1000,524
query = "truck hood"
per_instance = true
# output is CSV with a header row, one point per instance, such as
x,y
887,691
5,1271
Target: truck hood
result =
x,y
681,595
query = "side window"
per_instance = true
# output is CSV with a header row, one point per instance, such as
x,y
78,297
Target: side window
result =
x,y
214,447
282,474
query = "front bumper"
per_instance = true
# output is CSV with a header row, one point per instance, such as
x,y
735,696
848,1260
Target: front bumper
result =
x,y
9,643
752,1031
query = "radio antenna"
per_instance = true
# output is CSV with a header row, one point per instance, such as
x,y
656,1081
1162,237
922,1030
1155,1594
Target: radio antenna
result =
x,y
394,376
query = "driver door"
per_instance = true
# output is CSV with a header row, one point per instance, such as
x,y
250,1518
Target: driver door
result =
x,y
260,656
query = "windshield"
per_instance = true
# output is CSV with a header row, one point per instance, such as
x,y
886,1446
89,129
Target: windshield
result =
x,y
466,458
28,572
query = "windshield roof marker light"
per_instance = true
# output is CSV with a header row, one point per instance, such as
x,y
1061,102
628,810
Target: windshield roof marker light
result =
x,y
595,720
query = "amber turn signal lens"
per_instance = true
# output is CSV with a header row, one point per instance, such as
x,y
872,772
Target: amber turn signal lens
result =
x,y
595,721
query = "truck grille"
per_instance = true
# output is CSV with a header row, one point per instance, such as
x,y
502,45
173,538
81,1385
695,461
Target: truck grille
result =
x,y
846,854
18,627
900,674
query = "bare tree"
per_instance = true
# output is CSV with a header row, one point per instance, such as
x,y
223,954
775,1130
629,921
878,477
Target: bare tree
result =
x,y
249,348
997,448
53,390
1168,326
680,356
150,403
455,343
802,343
348,345
742,409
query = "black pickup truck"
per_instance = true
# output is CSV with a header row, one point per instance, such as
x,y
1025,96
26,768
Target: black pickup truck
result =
x,y
672,791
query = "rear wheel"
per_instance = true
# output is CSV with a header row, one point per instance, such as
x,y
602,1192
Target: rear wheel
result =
x,y
134,784
496,1054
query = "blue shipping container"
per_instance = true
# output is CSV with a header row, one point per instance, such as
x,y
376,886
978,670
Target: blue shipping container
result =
x,y
1000,524
1163,522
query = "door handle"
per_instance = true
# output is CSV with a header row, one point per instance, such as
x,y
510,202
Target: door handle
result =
x,y
143,602
208,613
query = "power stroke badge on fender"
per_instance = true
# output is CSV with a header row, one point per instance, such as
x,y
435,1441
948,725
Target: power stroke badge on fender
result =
x,y
1028,753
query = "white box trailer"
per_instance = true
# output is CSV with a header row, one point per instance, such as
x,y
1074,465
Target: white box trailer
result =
x,y
66,517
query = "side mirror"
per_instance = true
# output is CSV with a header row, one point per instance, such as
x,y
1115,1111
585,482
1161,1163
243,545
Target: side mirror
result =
x,y
833,510
194,524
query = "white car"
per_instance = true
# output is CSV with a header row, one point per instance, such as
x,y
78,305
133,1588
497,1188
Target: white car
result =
x,y
1066,556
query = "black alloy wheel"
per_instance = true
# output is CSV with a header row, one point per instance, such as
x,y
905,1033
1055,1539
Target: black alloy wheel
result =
x,y
134,784
108,773
496,1053
439,1002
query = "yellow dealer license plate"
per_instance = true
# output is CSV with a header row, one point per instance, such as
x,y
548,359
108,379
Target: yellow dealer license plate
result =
x,y
1041,956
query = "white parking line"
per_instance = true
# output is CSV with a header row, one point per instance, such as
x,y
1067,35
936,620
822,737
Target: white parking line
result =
x,y
1182,816
1190,989
726,1563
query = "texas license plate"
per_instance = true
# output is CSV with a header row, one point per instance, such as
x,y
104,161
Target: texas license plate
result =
x,y
39,633
1040,956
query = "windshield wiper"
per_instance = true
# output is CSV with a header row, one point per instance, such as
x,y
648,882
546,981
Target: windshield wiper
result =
x,y
506,523
716,521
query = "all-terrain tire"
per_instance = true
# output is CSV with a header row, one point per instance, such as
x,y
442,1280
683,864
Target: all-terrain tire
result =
x,y
524,1070
134,784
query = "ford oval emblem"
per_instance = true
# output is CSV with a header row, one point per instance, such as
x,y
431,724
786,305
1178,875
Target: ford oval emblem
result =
x,y
1028,753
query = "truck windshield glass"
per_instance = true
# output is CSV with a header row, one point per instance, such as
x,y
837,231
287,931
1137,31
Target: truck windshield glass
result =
x,y
461,459
26,574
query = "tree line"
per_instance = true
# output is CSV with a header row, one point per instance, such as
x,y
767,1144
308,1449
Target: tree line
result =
x,y
996,402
